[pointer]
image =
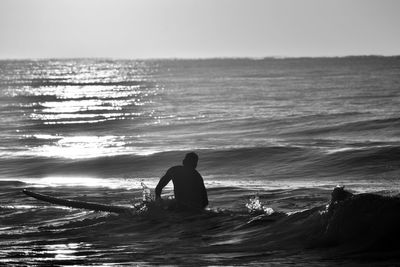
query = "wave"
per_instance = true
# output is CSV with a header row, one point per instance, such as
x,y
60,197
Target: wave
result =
x,y
225,161
368,220
365,225
367,160
389,124
256,162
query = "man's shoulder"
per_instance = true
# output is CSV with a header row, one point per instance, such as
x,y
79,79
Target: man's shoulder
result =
x,y
175,168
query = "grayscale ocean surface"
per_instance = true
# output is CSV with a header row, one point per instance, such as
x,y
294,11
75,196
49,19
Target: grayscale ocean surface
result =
x,y
274,137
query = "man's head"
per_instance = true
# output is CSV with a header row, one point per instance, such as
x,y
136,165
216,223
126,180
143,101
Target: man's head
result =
x,y
190,160
339,194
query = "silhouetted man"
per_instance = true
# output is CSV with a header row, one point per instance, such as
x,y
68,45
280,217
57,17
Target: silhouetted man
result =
x,y
189,190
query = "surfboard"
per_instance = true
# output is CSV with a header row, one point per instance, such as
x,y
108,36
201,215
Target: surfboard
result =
x,y
77,204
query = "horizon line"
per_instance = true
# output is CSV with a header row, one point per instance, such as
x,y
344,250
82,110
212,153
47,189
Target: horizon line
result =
x,y
199,58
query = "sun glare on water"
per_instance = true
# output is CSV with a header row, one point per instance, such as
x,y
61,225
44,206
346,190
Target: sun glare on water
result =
x,y
76,147
84,147
112,183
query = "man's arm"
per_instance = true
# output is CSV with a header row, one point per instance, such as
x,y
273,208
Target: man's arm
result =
x,y
162,183
204,197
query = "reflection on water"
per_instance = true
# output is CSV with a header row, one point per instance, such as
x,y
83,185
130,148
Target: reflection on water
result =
x,y
72,110
46,254
87,182
84,146
75,147
66,251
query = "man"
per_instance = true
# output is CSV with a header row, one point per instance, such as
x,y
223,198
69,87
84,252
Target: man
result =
x,y
189,190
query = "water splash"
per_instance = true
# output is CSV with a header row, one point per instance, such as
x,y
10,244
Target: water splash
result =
x,y
146,192
256,207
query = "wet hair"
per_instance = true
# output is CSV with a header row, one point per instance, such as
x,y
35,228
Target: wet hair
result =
x,y
191,160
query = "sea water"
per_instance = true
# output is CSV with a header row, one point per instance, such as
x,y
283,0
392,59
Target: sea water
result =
x,y
274,136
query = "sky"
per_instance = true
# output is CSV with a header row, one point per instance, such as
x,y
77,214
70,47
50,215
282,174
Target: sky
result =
x,y
198,28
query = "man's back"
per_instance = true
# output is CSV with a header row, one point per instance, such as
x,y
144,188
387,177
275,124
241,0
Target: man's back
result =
x,y
189,187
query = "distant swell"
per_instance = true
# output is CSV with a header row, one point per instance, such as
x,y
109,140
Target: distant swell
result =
x,y
359,126
217,161
285,162
367,160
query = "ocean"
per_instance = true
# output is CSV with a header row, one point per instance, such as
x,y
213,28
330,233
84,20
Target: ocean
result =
x,y
274,137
